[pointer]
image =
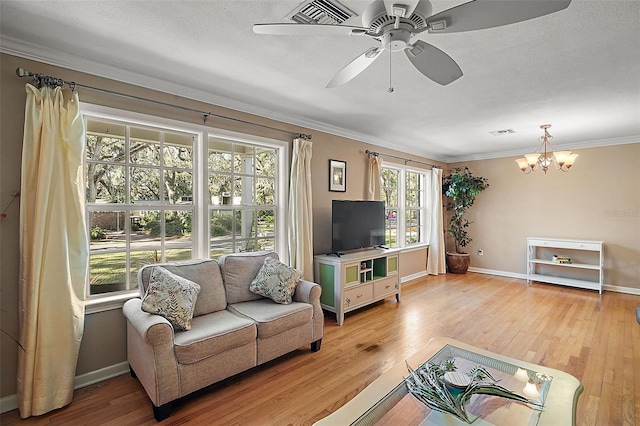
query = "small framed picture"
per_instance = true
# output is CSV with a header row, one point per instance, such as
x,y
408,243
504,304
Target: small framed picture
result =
x,y
337,176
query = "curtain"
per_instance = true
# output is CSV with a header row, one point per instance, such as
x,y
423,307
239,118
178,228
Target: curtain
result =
x,y
373,178
300,209
436,263
54,252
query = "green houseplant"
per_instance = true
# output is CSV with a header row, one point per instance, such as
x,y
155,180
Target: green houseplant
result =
x,y
462,188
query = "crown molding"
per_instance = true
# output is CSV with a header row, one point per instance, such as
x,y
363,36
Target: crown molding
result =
x,y
70,61
73,62
569,146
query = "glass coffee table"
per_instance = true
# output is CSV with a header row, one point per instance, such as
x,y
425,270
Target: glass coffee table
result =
x,y
387,401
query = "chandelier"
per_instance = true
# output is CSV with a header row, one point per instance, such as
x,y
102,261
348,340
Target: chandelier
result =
x,y
545,155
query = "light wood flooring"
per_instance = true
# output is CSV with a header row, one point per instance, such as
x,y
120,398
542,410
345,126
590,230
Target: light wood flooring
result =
x,y
594,337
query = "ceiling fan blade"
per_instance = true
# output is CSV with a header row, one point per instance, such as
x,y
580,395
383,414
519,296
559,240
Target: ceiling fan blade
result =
x,y
409,6
481,14
433,63
308,29
355,67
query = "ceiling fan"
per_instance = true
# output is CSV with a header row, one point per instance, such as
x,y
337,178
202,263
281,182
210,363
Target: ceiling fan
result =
x,y
394,23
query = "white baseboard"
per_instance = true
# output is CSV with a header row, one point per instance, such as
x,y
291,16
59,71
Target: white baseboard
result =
x,y
10,402
608,287
499,273
413,276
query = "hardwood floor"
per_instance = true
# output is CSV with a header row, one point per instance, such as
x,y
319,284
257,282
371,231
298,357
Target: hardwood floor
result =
x,y
594,337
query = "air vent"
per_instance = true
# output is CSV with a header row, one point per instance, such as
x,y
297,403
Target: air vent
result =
x,y
502,132
320,12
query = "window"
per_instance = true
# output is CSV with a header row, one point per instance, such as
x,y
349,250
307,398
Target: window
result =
x,y
242,192
404,193
139,191
155,190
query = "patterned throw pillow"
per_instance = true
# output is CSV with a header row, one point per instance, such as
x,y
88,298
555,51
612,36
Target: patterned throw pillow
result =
x,y
171,296
276,281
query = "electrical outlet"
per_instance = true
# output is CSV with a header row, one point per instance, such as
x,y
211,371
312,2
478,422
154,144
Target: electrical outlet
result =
x,y
480,252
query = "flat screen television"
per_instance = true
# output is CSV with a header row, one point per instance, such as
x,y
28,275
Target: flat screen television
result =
x,y
356,225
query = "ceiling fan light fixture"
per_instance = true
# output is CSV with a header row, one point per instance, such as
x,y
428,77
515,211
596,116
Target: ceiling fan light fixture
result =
x,y
399,10
436,26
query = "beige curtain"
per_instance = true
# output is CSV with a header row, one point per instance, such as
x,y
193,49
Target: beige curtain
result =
x,y
373,178
300,209
53,251
436,263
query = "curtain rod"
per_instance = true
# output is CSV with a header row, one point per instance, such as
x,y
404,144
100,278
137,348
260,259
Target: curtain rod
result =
x,y
406,160
40,80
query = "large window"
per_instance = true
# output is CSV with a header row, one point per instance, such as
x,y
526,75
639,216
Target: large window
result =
x,y
404,193
162,193
242,192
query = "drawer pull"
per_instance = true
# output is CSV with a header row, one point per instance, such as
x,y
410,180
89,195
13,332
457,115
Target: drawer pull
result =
x,y
359,296
387,286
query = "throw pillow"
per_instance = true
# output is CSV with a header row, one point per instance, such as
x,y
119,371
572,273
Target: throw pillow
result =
x,y
276,281
172,296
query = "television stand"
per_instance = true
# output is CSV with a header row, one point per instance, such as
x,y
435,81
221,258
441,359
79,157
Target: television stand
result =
x,y
357,279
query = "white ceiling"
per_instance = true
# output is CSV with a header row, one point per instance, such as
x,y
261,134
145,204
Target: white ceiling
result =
x,y
578,69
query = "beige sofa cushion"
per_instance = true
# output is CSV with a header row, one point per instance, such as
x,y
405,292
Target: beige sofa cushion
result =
x,y
212,334
238,270
273,318
206,273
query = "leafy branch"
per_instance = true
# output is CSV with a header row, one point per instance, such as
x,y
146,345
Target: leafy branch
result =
x,y
427,384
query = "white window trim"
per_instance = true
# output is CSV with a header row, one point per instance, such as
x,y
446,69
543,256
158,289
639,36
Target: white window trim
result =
x,y
401,217
200,226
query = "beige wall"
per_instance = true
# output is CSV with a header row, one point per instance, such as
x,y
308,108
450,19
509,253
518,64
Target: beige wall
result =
x,y
598,199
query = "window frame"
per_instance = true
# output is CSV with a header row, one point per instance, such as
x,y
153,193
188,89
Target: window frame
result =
x,y
200,206
402,208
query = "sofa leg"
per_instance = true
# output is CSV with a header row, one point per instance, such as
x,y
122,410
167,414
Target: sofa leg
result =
x,y
133,373
315,346
162,412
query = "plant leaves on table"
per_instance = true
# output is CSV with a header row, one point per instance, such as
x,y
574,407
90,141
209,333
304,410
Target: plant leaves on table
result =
x,y
427,384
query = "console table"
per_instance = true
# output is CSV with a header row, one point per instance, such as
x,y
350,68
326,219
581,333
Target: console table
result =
x,y
585,256
354,280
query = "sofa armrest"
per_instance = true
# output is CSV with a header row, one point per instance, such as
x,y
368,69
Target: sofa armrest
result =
x,y
143,323
151,354
309,292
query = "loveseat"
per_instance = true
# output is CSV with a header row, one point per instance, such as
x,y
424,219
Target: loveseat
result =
x,y
232,330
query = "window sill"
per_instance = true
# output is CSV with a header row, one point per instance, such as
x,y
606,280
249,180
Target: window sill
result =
x,y
415,247
108,303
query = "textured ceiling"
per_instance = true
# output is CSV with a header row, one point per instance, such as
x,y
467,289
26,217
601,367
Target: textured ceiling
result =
x,y
578,69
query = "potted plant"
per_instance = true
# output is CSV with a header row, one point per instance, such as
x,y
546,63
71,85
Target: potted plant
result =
x,y
461,187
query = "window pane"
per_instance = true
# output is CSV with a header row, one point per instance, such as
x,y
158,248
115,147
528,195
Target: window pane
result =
x,y
177,225
247,223
145,185
265,191
266,227
105,183
178,150
221,224
149,230
243,159
143,152
266,162
220,189
219,155
141,258
243,191
177,255
178,187
104,146
107,272
106,230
